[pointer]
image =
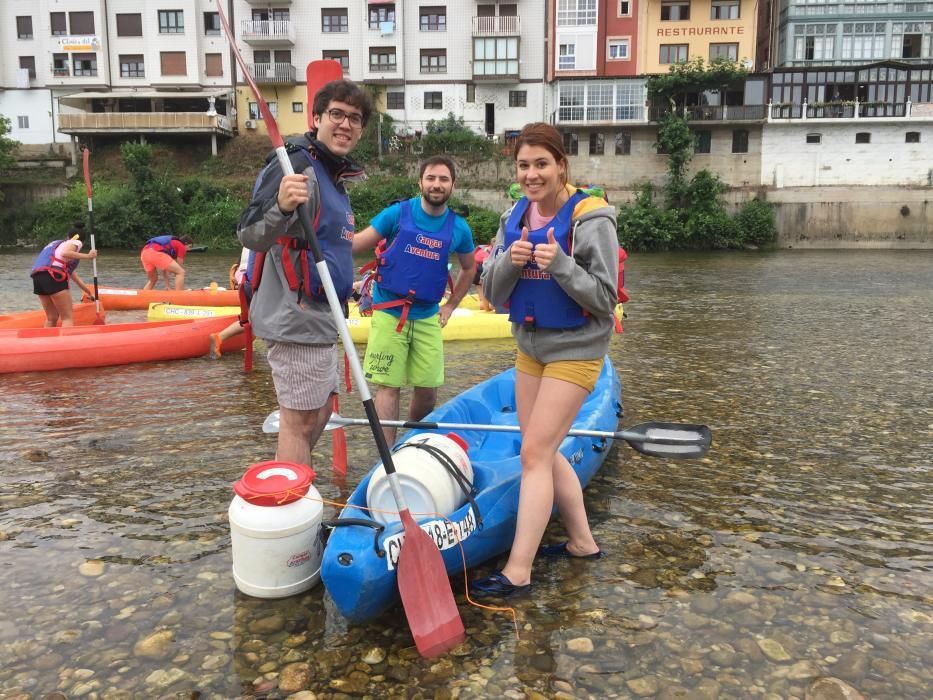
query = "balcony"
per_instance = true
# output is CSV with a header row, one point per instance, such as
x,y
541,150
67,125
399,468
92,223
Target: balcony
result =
x,y
266,32
276,73
712,113
578,115
143,122
853,110
497,26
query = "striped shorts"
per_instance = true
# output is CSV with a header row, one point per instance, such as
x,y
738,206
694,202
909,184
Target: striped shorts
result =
x,y
304,376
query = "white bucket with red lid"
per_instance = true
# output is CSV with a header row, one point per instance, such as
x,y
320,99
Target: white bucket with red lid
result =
x,y
426,483
274,530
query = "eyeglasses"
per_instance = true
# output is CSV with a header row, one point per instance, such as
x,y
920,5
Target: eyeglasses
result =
x,y
337,116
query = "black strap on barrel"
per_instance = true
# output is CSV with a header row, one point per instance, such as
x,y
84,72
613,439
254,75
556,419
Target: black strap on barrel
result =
x,y
469,491
328,525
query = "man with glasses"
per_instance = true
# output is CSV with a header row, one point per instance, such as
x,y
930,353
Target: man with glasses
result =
x,y
289,309
405,345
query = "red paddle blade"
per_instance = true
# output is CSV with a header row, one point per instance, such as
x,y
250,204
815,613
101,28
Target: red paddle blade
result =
x,y
318,74
426,594
339,441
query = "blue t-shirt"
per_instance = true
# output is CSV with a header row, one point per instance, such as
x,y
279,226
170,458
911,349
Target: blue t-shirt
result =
x,y
386,224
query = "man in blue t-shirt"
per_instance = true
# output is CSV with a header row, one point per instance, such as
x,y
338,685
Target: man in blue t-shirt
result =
x,y
405,345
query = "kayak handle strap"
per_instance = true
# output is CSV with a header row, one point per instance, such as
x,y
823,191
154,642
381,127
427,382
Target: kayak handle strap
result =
x,y
328,525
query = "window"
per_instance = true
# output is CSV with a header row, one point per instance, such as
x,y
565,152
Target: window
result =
x,y
342,57
395,100
129,24
24,27
213,65
724,51
254,110
571,146
674,53
380,14
84,64
863,40
433,100
601,100
29,63
495,56
58,23
518,98
702,139
471,92
211,23
725,9
567,57
576,13
60,65
815,42
912,137
597,143
298,107
22,122
623,144
132,66
433,19
863,137
81,22
625,8
740,141
814,138
173,63
334,20
433,60
382,59
675,10
171,21
618,50
911,46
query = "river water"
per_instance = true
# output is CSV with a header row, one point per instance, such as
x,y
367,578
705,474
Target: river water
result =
x,y
799,548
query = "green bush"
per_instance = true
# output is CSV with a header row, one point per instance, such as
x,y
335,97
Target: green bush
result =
x,y
371,197
755,223
643,225
484,223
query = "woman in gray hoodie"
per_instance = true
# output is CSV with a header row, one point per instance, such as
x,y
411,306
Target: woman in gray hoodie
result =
x,y
555,265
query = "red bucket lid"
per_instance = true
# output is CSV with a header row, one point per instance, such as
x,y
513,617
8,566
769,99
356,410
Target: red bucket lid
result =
x,y
274,483
460,441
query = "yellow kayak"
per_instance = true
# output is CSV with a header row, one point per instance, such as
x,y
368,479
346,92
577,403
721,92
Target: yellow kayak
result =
x,y
465,323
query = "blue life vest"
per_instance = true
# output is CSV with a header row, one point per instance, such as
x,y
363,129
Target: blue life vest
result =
x,y
163,244
415,264
58,269
537,299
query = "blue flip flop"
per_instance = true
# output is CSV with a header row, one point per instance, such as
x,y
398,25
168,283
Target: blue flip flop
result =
x,y
496,584
560,550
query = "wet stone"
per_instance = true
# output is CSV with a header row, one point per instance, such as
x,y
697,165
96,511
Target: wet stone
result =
x,y
158,645
643,687
773,650
295,677
829,688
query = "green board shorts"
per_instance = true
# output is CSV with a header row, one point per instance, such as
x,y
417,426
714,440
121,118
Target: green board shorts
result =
x,y
414,355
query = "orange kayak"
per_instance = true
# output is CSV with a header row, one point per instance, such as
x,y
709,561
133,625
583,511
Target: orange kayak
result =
x,y
119,298
84,315
40,349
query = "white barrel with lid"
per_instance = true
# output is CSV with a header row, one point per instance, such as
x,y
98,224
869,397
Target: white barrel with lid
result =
x,y
426,483
274,530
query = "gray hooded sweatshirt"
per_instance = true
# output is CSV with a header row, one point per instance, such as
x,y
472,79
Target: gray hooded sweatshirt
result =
x,y
589,276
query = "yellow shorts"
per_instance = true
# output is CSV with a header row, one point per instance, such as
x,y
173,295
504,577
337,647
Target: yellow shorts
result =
x,y
583,373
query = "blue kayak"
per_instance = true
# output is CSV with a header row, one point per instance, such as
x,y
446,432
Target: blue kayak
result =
x,y
358,568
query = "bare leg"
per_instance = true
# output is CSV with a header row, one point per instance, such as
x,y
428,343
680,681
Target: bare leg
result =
x,y
63,304
386,402
546,410
153,276
423,399
166,279
569,497
51,313
299,432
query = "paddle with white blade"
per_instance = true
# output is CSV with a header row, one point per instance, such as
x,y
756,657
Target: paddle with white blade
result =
x,y
422,577
678,440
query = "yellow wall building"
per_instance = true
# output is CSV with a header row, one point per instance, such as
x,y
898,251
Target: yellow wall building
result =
x,y
678,30
290,108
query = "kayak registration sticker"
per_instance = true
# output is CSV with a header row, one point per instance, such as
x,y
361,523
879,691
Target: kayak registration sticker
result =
x,y
118,292
444,534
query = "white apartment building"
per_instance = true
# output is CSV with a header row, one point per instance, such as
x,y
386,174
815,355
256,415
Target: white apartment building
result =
x,y
481,61
75,69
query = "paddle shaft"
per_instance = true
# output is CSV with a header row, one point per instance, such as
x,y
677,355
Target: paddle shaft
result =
x,y
629,435
90,223
330,292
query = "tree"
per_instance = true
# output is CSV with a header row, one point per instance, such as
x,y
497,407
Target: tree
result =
x,y
7,146
693,76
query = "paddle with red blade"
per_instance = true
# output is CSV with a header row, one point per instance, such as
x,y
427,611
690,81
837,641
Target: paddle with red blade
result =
x,y
422,578
318,74
98,319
